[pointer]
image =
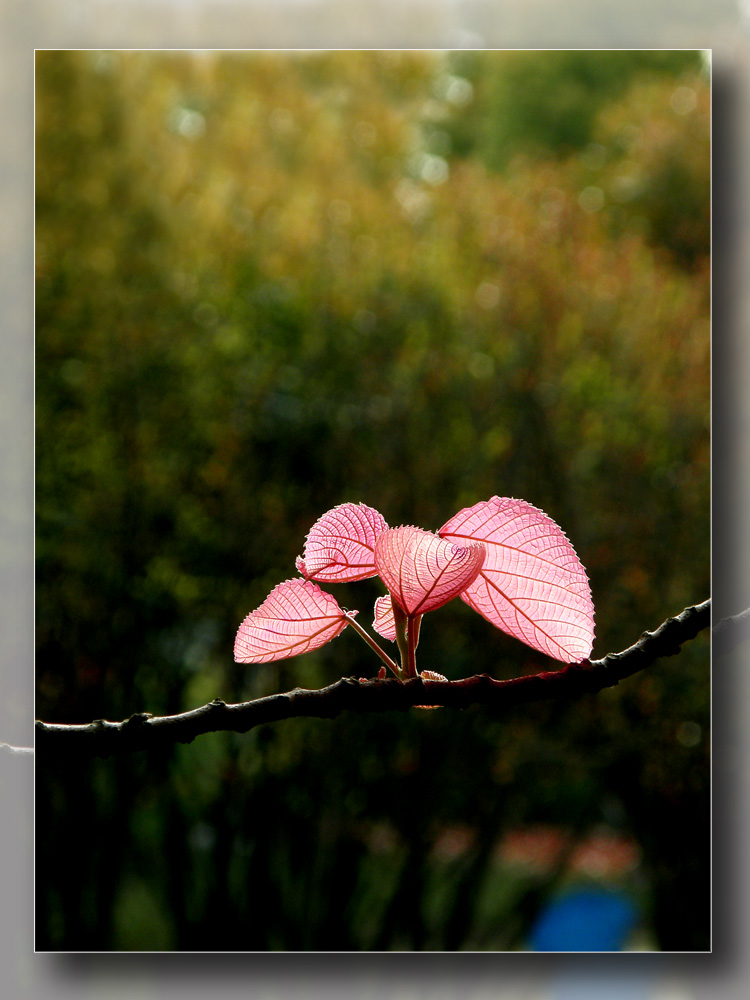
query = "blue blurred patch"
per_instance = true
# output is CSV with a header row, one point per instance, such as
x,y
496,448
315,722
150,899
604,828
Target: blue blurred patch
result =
x,y
585,920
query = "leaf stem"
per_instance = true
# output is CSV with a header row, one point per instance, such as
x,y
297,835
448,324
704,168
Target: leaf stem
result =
x,y
400,623
412,641
372,644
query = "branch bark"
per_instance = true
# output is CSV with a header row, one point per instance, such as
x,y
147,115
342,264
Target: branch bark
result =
x,y
144,731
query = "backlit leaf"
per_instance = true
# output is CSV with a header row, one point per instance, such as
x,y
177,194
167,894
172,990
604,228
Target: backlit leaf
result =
x,y
339,546
532,584
432,675
384,623
423,571
297,616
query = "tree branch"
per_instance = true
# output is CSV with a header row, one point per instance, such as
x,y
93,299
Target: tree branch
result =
x,y
143,731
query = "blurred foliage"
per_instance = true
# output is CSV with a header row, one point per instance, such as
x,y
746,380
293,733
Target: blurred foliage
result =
x,y
272,283
550,105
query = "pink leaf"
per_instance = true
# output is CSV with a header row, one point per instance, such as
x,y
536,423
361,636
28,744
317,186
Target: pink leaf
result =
x,y
532,584
339,546
432,675
297,616
384,624
423,571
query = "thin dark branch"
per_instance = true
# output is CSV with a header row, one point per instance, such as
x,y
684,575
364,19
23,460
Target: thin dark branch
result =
x,y
144,731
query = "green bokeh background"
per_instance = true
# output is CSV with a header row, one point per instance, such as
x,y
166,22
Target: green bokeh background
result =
x,y
271,283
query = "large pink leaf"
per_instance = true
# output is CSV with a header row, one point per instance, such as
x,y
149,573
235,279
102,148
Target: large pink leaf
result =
x,y
297,616
339,546
423,571
532,584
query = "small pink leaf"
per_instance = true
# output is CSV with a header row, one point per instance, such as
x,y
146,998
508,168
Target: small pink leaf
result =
x,y
532,584
384,624
432,675
339,546
423,571
297,616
